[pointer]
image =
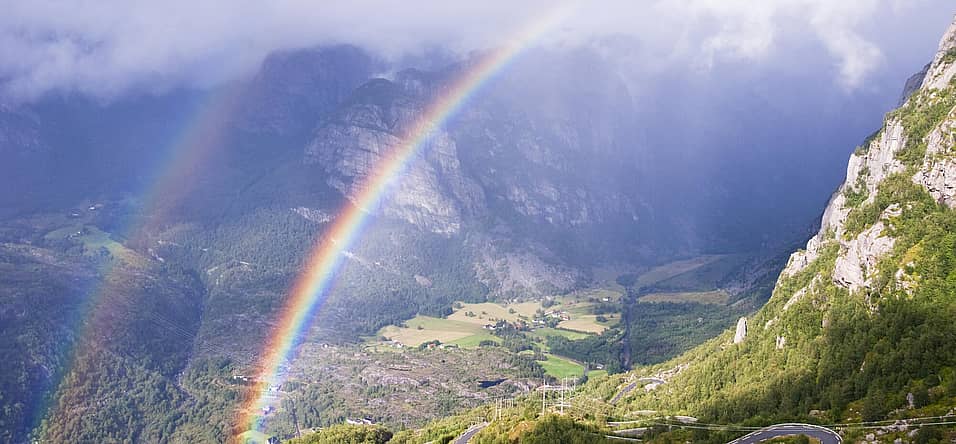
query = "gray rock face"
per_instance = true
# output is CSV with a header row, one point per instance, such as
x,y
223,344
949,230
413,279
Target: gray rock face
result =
x,y
857,262
868,168
741,332
432,192
913,84
781,342
939,73
520,272
25,155
938,173
504,180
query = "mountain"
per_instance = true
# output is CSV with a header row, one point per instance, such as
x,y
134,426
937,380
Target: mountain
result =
x,y
148,243
860,323
858,334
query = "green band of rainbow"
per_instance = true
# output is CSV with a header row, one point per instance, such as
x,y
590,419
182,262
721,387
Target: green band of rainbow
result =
x,y
312,286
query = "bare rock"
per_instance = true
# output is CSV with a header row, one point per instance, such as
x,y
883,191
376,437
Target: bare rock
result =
x,y
941,71
858,260
741,332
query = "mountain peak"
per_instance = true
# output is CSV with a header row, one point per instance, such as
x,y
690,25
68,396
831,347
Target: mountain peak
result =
x,y
943,68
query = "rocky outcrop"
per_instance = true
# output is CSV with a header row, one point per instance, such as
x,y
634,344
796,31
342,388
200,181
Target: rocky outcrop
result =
x,y
913,84
504,179
942,69
433,193
857,262
938,173
521,273
741,332
869,166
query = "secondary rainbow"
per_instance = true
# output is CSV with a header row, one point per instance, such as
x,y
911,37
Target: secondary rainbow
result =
x,y
186,153
311,288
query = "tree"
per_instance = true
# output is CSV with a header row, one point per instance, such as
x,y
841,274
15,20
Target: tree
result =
x,y
347,434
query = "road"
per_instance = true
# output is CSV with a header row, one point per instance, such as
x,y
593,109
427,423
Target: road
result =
x,y
634,384
623,392
825,435
472,431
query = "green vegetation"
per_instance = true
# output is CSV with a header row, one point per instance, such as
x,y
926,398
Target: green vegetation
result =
x,y
346,434
561,367
544,430
924,111
545,332
950,56
665,272
857,193
602,349
707,276
896,188
850,356
715,297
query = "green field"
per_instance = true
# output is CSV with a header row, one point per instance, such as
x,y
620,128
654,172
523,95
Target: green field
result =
x,y
473,340
92,239
672,269
706,277
465,326
543,333
426,328
559,367
718,297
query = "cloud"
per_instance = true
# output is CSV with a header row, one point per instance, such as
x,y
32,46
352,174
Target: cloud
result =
x,y
108,47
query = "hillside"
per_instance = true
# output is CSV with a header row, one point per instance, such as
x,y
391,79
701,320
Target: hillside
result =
x,y
859,333
860,324
572,231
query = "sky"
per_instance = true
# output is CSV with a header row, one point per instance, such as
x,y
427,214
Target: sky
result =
x,y
108,48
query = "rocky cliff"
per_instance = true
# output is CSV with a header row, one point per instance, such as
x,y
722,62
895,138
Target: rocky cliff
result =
x,y
910,143
862,319
508,181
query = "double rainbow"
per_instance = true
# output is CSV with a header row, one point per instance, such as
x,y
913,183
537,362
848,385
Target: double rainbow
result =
x,y
184,154
311,288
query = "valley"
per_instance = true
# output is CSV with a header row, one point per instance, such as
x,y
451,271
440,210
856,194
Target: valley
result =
x,y
404,375
481,224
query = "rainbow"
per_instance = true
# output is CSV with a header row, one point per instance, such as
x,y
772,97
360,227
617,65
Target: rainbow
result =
x,y
312,286
187,150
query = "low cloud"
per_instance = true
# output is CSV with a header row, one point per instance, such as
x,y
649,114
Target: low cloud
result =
x,y
109,47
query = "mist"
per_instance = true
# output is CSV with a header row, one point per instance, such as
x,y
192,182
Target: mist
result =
x,y
110,48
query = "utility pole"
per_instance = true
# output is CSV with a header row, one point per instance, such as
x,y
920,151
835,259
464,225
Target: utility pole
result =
x,y
563,385
544,392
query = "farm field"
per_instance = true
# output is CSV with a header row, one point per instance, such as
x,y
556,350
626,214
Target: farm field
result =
x,y
490,312
586,323
543,333
672,269
561,367
465,326
426,328
93,239
701,297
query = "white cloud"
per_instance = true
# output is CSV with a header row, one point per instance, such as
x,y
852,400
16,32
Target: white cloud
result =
x,y
107,47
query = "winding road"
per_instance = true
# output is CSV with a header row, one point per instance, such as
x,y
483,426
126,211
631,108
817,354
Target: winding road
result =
x,y
472,431
825,435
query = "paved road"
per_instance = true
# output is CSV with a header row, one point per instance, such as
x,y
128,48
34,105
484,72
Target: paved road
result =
x,y
623,392
825,435
472,431
633,385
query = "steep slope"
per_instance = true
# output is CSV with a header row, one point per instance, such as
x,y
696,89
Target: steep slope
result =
x,y
861,322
